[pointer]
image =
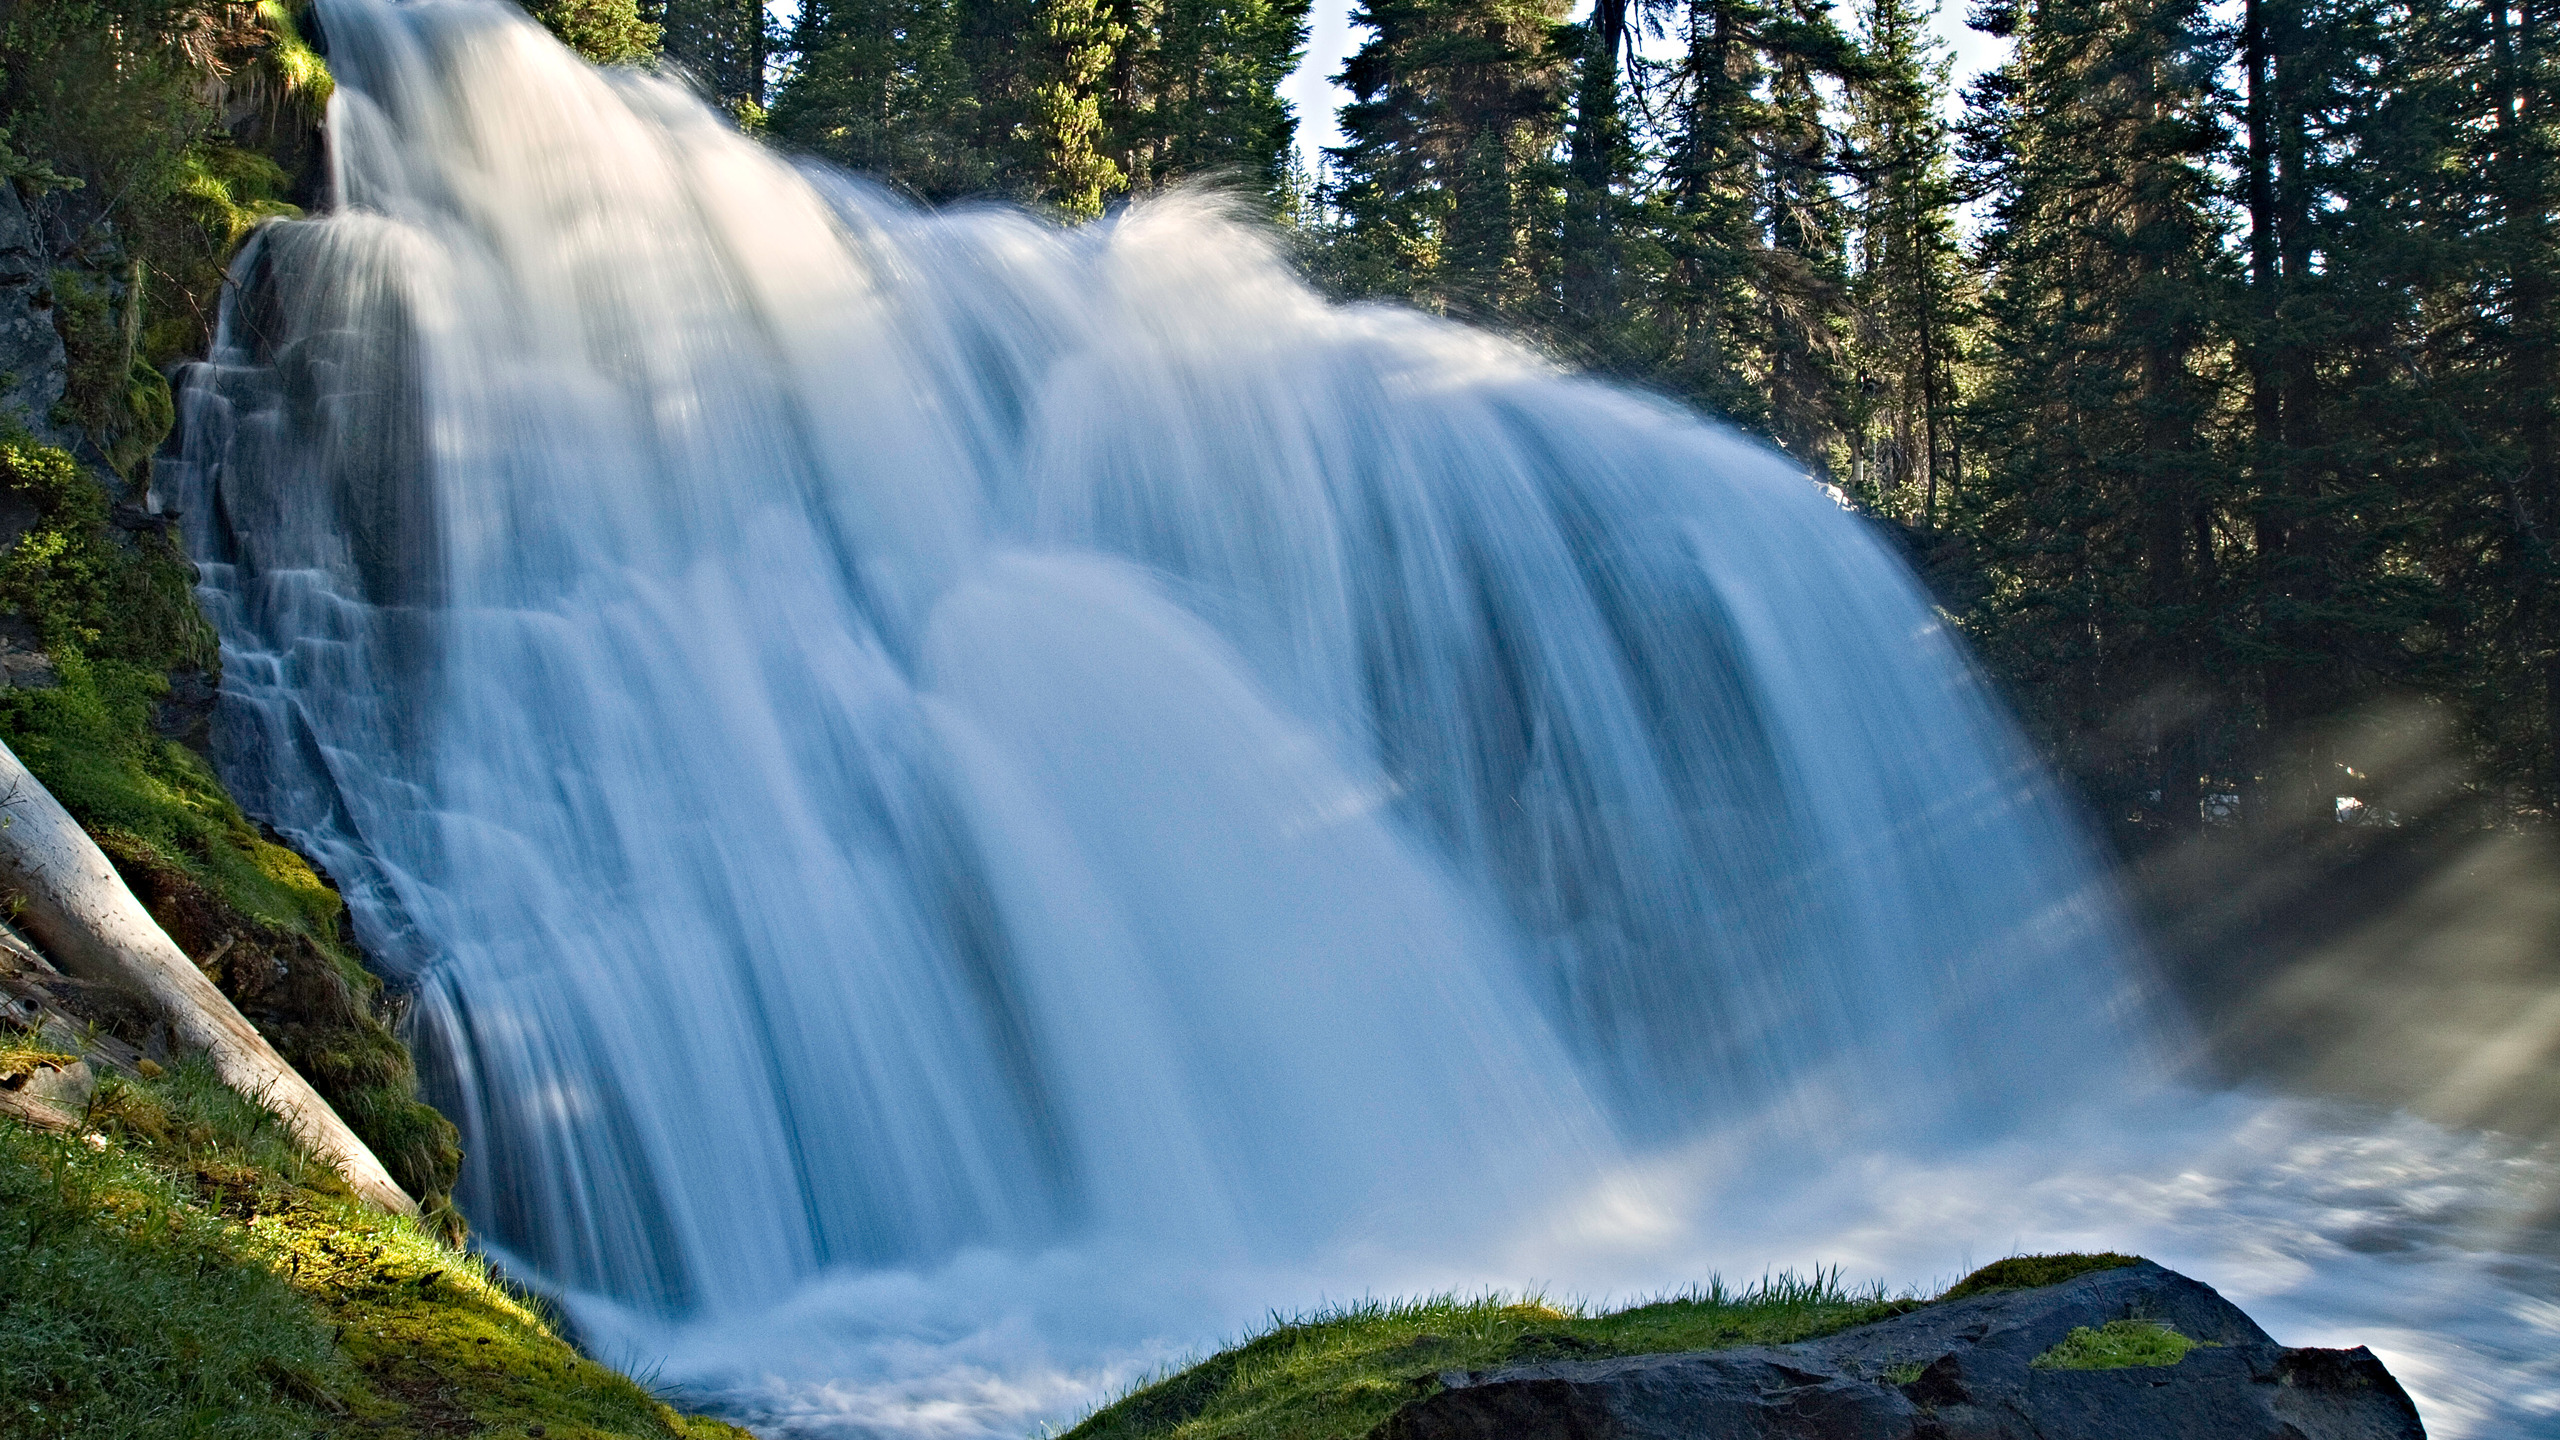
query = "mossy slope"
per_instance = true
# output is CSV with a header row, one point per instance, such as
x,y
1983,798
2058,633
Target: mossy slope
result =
x,y
175,1267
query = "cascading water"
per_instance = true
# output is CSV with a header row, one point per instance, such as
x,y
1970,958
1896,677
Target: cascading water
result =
x,y
918,762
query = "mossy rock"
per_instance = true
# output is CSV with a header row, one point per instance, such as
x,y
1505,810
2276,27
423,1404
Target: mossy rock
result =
x,y
2034,1272
1343,1372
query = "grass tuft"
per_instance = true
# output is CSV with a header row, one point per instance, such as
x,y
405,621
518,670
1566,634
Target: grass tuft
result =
x,y
2117,1345
2034,1272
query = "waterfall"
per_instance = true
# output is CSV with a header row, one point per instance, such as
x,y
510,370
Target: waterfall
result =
x,y
890,742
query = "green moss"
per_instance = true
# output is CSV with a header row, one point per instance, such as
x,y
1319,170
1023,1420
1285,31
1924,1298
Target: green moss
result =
x,y
290,975
1341,1372
183,1270
2032,1272
235,190
2117,1345
27,1052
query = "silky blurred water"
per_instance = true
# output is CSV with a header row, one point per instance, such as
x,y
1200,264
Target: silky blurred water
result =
x,y
973,806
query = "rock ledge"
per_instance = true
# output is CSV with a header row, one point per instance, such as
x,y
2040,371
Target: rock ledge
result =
x,y
1974,1381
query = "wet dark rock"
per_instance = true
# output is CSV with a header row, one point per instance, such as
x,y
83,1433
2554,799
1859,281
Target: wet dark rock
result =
x,y
141,520
1958,1371
185,714
33,369
26,669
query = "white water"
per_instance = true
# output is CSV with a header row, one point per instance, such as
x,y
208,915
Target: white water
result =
x,y
971,806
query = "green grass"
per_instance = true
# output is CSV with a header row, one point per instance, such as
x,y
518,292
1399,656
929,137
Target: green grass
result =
x,y
180,1269
2117,1345
1338,1373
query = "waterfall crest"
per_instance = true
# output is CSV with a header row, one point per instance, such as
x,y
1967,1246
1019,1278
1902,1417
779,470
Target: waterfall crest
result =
x,y
880,736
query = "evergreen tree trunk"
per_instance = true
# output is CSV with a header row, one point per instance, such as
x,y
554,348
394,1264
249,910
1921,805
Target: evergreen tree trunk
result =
x,y
1597,165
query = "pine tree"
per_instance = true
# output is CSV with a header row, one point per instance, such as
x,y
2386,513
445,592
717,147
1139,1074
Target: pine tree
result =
x,y
1196,92
1803,282
721,43
1600,170
1910,291
2523,171
945,98
2332,485
2474,87
1453,118
1752,307
1077,41
880,86
2098,483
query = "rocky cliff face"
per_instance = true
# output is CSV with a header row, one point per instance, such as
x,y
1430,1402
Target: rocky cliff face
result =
x,y
33,368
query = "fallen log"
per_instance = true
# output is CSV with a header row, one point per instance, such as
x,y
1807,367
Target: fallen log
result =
x,y
79,909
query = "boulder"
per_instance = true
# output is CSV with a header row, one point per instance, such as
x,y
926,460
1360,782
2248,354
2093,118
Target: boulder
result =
x,y
1963,1370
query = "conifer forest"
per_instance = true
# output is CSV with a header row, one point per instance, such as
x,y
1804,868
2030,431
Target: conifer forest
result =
x,y
2202,357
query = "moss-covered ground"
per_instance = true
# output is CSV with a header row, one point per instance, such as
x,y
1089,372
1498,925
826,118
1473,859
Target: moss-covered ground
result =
x,y
1340,1372
175,1267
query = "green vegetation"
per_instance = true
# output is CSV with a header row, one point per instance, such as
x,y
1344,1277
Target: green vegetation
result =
x,y
609,32
2117,1345
24,1052
112,126
1062,102
178,1268
119,609
1341,1372
722,44
2034,1272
